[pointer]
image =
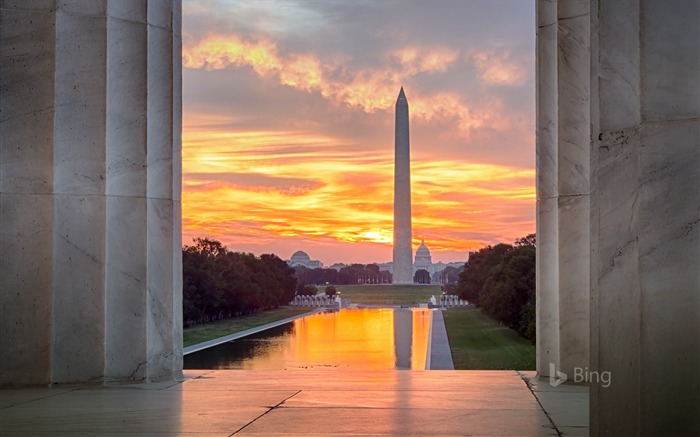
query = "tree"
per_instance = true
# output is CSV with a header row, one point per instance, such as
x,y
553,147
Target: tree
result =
x,y
208,246
528,325
421,277
510,286
449,275
284,277
371,274
353,274
528,240
306,290
330,291
476,270
321,276
218,283
501,280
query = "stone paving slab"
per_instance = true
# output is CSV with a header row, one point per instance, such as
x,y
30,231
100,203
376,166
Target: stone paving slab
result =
x,y
566,404
295,403
402,422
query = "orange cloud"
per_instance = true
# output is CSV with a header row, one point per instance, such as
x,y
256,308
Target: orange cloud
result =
x,y
263,186
499,68
218,53
368,89
421,59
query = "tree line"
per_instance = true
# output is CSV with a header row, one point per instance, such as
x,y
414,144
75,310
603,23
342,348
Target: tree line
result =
x,y
348,275
219,283
501,281
366,274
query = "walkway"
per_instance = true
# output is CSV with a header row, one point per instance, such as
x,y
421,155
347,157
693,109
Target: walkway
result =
x,y
302,403
440,355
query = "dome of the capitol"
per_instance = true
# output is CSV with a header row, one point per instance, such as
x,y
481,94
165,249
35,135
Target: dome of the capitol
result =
x,y
422,250
423,258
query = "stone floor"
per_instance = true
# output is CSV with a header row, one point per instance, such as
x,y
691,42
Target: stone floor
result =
x,y
304,403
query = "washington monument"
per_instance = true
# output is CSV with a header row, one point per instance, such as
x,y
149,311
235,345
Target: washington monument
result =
x,y
403,252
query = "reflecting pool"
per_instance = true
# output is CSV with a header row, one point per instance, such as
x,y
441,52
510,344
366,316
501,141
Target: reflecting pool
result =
x,y
374,338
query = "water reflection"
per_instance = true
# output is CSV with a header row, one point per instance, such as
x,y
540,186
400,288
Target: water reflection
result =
x,y
380,338
403,338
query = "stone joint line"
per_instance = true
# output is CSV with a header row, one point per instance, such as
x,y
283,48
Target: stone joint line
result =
x,y
269,409
532,392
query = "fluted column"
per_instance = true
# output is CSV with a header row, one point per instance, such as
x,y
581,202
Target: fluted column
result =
x,y
627,76
563,191
646,330
547,190
91,271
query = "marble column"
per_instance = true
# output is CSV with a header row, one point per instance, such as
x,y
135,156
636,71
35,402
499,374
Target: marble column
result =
x,y
646,330
90,188
563,190
634,91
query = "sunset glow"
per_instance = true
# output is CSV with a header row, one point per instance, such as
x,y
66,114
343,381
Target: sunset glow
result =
x,y
288,144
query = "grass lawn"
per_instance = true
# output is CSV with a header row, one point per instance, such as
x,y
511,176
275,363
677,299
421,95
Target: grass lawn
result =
x,y
479,342
209,331
388,294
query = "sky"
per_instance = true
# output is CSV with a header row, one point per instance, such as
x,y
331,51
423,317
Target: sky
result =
x,y
288,124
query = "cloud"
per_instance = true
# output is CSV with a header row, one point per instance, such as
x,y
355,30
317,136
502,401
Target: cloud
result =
x,y
500,67
267,194
251,181
288,124
217,52
368,89
417,59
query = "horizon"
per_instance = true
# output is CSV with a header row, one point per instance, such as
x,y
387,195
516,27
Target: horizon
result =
x,y
327,265
288,125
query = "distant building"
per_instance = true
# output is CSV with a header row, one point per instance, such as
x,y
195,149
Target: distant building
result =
x,y
301,258
424,261
389,267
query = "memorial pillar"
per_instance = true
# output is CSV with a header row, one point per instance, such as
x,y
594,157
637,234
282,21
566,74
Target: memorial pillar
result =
x,y
627,76
90,188
563,190
646,329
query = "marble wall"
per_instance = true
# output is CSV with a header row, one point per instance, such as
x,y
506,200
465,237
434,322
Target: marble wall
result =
x,y
642,105
90,186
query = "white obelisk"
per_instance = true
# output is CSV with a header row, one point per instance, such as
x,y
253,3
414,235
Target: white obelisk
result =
x,y
403,251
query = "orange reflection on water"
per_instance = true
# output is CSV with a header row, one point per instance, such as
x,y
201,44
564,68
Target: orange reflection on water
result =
x,y
377,338
421,330
356,338
363,338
